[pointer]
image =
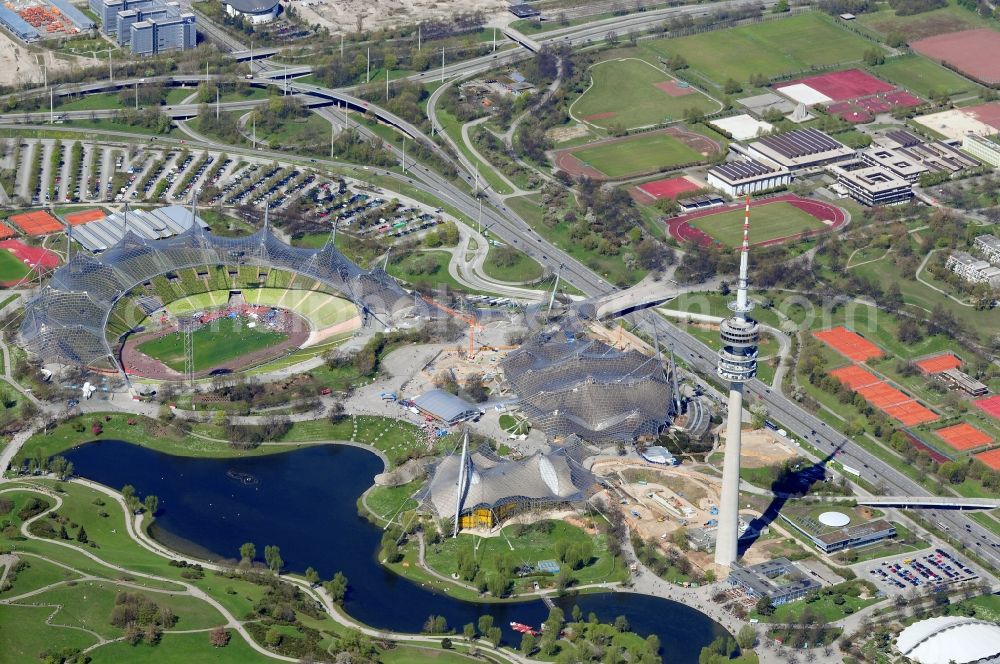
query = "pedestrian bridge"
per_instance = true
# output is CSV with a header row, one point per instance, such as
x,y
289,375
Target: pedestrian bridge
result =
x,y
930,502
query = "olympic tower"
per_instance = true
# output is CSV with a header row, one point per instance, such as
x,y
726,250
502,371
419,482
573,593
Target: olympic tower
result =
x,y
737,364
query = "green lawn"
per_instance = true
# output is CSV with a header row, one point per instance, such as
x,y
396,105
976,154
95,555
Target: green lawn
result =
x,y
923,76
94,102
218,342
412,269
644,153
770,221
528,548
925,24
34,636
38,574
524,268
385,501
774,48
825,608
178,648
627,88
11,267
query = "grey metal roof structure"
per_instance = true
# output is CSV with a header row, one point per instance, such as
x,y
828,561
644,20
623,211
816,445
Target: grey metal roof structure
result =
x,y
155,224
252,6
17,25
586,388
491,482
66,321
445,406
78,18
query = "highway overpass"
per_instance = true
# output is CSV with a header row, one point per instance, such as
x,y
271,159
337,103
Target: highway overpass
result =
x,y
930,502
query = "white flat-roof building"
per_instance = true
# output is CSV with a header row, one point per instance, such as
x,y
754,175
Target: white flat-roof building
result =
x,y
747,176
973,269
989,247
897,163
872,185
982,148
797,150
950,639
254,11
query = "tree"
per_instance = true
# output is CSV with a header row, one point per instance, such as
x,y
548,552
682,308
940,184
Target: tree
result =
x,y
469,631
780,7
337,587
528,643
219,637
494,636
272,556
732,86
485,624
273,637
62,533
764,606
151,503
81,535
446,643
312,576
248,552
622,624
746,637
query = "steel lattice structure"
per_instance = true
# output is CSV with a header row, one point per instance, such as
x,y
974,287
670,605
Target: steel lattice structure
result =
x,y
586,388
66,321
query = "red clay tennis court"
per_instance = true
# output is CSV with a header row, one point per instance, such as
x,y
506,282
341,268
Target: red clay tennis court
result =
x,y
84,217
6,232
991,458
990,406
840,85
854,377
939,363
849,344
963,436
668,187
38,222
910,413
882,395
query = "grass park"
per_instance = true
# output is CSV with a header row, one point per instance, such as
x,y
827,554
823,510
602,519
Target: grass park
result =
x,y
950,18
923,76
218,342
624,90
11,267
644,153
770,222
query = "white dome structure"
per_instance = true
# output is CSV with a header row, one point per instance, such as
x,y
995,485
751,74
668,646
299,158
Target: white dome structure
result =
x,y
950,639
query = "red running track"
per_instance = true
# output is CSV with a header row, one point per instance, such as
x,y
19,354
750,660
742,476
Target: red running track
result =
x,y
682,230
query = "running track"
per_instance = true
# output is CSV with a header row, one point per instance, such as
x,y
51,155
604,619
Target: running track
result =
x,y
682,230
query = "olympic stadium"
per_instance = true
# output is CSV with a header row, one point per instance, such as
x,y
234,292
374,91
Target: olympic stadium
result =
x,y
85,313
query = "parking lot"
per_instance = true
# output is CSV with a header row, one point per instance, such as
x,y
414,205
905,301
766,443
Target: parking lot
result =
x,y
936,568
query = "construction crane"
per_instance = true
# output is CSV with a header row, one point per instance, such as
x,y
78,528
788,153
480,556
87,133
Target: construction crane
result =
x,y
470,320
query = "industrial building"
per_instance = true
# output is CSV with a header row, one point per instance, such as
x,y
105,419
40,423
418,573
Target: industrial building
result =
x,y
982,148
779,579
257,12
847,537
963,381
98,236
973,270
445,406
989,247
871,185
484,490
950,639
570,385
797,150
936,156
747,176
17,26
75,16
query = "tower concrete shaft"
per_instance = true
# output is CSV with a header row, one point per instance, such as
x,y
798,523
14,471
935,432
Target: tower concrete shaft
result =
x,y
737,364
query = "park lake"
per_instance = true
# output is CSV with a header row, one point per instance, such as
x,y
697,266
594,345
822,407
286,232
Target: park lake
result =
x,y
305,502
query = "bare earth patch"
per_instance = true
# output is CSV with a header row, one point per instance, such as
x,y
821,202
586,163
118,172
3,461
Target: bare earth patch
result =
x,y
342,15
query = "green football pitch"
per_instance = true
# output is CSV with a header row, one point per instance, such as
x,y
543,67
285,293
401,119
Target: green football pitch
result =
x,y
624,92
781,47
11,267
767,222
218,342
644,153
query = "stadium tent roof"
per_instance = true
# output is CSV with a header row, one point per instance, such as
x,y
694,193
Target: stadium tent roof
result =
x,y
586,388
252,6
491,481
445,406
950,639
66,321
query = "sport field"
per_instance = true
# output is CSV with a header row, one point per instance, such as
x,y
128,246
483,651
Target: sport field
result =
x,y
223,340
783,46
923,76
645,153
925,24
769,222
322,310
625,92
11,267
